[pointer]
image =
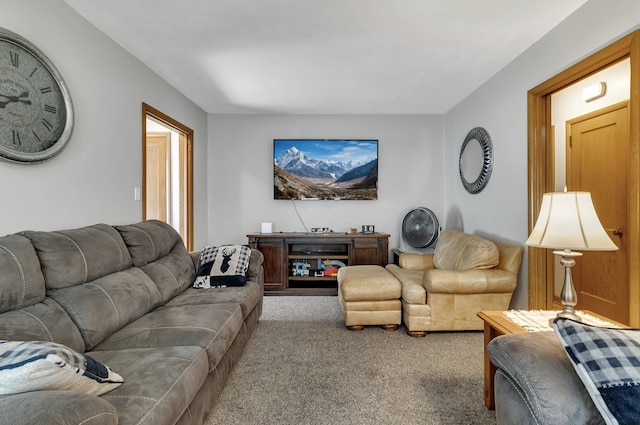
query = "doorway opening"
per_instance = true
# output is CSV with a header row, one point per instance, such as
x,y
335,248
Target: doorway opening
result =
x,y
543,167
167,172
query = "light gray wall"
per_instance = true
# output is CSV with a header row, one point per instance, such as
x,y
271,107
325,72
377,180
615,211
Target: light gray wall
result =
x,y
241,173
93,178
500,106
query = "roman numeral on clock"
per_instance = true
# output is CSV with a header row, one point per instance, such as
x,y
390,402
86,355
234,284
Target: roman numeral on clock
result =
x,y
46,124
15,59
50,108
16,138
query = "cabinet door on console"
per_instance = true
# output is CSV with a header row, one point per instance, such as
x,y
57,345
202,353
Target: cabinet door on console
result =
x,y
370,251
274,258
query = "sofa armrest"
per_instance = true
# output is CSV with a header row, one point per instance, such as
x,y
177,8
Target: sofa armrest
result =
x,y
534,366
469,281
56,408
255,272
412,290
415,261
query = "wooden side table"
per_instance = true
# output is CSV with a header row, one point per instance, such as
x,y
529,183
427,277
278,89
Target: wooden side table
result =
x,y
495,324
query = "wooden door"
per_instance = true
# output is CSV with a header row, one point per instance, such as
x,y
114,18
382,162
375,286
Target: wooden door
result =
x,y
157,175
597,162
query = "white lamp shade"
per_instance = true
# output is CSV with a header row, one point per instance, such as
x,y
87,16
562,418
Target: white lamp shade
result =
x,y
568,220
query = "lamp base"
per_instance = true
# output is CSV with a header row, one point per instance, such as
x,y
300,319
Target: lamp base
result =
x,y
569,315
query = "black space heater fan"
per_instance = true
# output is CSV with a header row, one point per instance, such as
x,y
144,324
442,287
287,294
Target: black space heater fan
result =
x,y
420,227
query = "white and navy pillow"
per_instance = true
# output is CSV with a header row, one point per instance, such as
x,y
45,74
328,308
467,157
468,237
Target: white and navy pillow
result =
x,y
39,365
607,361
221,266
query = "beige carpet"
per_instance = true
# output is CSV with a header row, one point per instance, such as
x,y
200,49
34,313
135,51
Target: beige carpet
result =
x,y
303,366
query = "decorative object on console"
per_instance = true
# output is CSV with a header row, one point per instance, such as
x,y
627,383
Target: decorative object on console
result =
x,y
420,227
368,228
606,360
35,104
476,160
316,169
568,221
222,266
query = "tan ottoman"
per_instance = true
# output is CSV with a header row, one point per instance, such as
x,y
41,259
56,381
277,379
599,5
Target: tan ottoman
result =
x,y
369,295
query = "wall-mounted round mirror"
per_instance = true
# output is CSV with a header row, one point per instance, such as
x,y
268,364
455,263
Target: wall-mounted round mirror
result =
x,y
476,160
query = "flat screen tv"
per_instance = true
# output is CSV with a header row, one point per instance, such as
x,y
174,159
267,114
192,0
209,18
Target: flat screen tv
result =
x,y
325,169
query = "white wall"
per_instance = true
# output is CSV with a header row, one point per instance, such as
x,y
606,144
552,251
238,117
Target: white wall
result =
x,y
93,178
241,173
500,106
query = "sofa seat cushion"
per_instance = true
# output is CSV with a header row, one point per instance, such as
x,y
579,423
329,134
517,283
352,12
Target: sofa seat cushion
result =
x,y
462,251
213,329
247,297
160,383
57,407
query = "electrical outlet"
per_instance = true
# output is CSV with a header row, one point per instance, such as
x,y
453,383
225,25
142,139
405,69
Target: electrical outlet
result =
x,y
136,194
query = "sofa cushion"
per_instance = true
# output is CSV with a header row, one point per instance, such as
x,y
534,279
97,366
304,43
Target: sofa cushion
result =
x,y
222,266
39,365
149,240
247,297
72,257
57,407
45,321
25,312
462,251
101,307
608,363
213,329
159,251
159,385
21,280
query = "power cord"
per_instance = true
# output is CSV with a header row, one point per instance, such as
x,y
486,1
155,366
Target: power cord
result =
x,y
298,212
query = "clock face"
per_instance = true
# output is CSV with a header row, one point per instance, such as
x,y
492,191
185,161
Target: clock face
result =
x,y
36,117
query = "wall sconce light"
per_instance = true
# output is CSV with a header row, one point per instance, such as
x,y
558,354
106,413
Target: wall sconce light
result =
x,y
594,91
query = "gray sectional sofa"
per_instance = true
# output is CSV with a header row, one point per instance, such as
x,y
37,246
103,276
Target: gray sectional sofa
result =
x,y
124,295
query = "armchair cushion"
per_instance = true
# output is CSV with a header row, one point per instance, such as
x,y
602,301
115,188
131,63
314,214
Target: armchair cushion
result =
x,y
462,251
468,281
415,261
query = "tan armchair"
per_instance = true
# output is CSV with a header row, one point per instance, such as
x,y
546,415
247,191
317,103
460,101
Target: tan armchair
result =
x,y
445,290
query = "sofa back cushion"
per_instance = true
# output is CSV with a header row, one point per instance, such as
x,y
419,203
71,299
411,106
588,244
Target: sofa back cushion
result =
x,y
25,312
88,272
158,250
462,251
72,257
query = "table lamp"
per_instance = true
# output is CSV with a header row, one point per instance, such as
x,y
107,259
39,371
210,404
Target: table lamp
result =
x,y
567,221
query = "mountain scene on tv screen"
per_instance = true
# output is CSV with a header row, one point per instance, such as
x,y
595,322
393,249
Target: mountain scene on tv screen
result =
x,y
300,175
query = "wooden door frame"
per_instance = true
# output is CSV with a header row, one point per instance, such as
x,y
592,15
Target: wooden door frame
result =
x,y
540,166
149,111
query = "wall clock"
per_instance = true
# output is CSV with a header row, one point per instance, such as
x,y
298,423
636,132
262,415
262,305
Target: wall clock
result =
x,y
36,114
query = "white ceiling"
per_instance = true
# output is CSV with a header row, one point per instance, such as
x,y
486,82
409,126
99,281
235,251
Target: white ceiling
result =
x,y
326,56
